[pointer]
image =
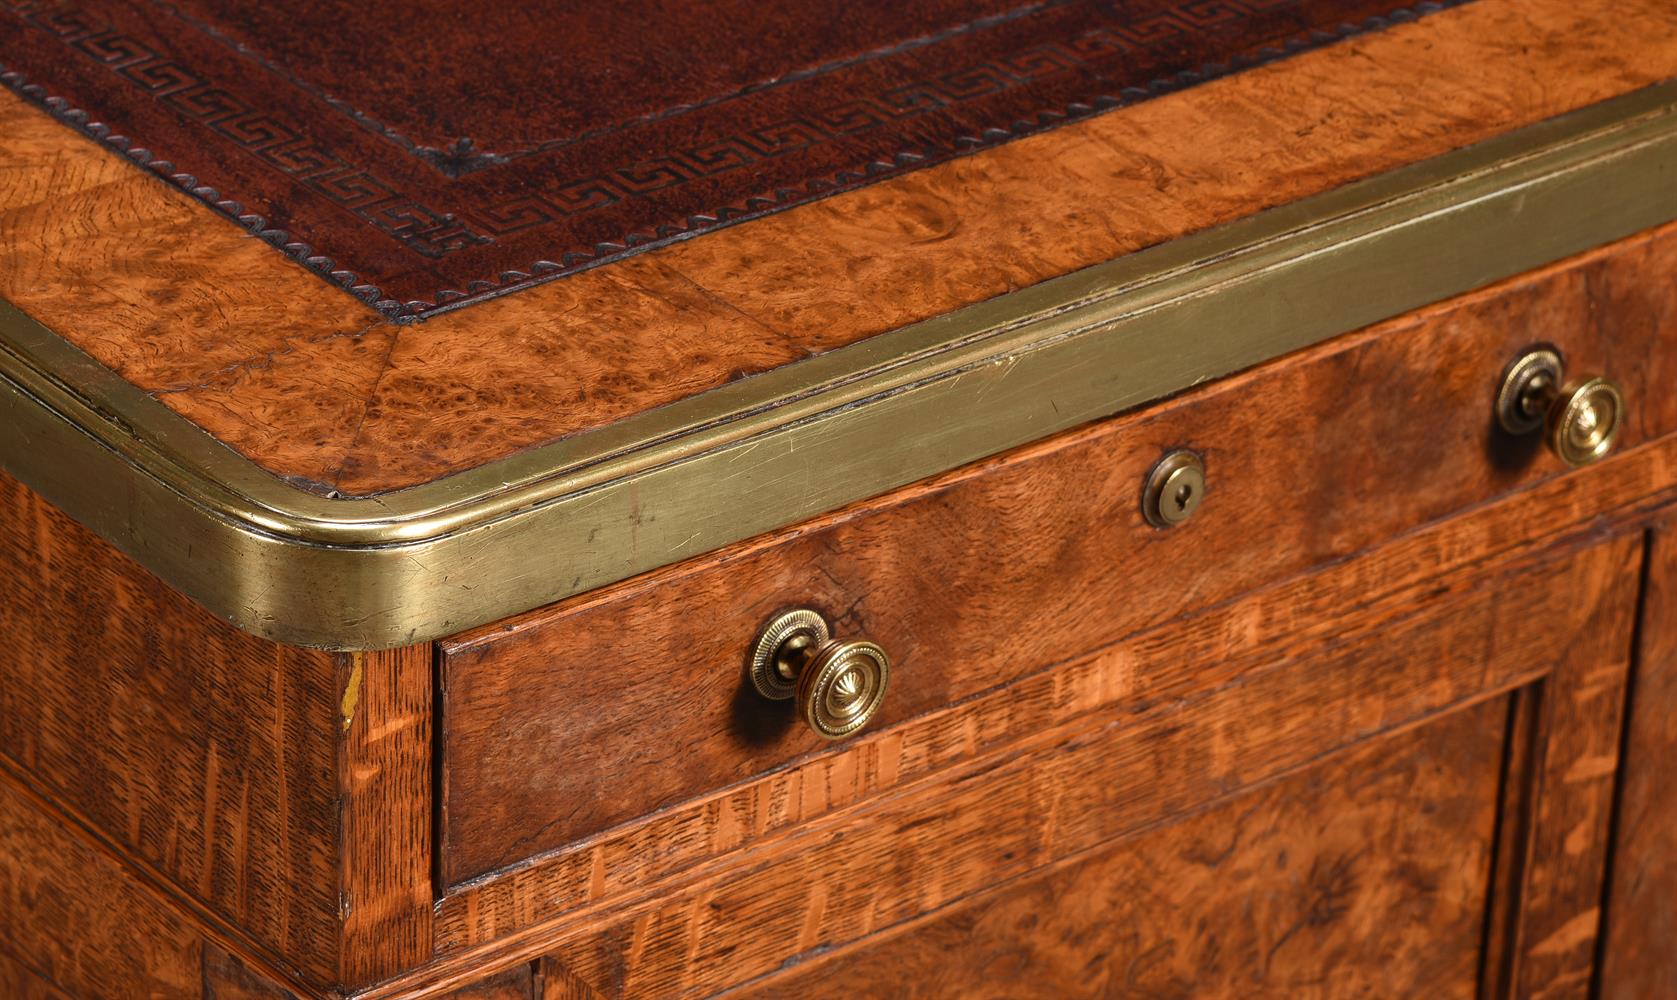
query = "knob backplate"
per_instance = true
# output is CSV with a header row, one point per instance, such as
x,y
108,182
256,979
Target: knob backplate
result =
x,y
781,649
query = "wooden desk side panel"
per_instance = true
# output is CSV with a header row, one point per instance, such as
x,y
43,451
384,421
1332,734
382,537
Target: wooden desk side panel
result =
x,y
77,924
72,918
287,790
205,752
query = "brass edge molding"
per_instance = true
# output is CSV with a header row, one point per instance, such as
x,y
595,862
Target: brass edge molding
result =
x,y
409,566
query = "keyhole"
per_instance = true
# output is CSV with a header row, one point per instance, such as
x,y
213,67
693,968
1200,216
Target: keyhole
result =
x,y
1174,489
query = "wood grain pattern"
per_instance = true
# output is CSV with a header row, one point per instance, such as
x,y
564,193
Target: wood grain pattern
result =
x,y
228,978
559,984
1076,786
1499,963
956,571
1637,959
64,259
38,165
626,337
384,774
1567,804
517,983
233,335
80,922
21,983
203,750
1363,876
287,789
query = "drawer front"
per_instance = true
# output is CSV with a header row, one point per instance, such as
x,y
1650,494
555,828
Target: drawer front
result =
x,y
1325,815
1366,876
587,715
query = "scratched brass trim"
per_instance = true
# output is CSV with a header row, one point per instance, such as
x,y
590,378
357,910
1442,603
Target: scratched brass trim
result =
x,y
374,572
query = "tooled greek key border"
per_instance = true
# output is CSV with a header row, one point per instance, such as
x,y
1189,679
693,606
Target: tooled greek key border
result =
x,y
434,233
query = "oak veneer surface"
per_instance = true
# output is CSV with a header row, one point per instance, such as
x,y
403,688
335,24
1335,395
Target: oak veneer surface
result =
x,y
187,741
1638,959
317,388
1365,876
520,982
385,812
77,924
420,161
18,982
74,917
286,789
989,573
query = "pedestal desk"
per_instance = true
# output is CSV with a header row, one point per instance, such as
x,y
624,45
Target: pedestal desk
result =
x,y
945,499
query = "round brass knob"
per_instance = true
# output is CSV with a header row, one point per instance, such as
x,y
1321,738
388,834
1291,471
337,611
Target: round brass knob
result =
x,y
1581,419
840,691
839,684
1584,420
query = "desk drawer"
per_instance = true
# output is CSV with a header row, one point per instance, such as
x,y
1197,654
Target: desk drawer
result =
x,y
578,718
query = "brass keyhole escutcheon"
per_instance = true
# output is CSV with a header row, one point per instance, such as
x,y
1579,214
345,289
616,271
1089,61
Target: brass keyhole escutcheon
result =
x,y
1175,487
1580,419
838,685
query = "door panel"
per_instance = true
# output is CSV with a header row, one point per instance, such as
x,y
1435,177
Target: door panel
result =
x,y
1364,876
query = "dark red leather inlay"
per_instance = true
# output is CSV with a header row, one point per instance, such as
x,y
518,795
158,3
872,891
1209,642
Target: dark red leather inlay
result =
x,y
423,153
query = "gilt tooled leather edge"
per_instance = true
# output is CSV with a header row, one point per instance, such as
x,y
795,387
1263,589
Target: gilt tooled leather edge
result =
x,y
435,234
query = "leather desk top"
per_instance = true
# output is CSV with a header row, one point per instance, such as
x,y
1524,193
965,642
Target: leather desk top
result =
x,y
426,154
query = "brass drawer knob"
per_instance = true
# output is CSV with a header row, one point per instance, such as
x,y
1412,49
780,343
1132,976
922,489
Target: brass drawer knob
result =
x,y
1581,419
838,684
